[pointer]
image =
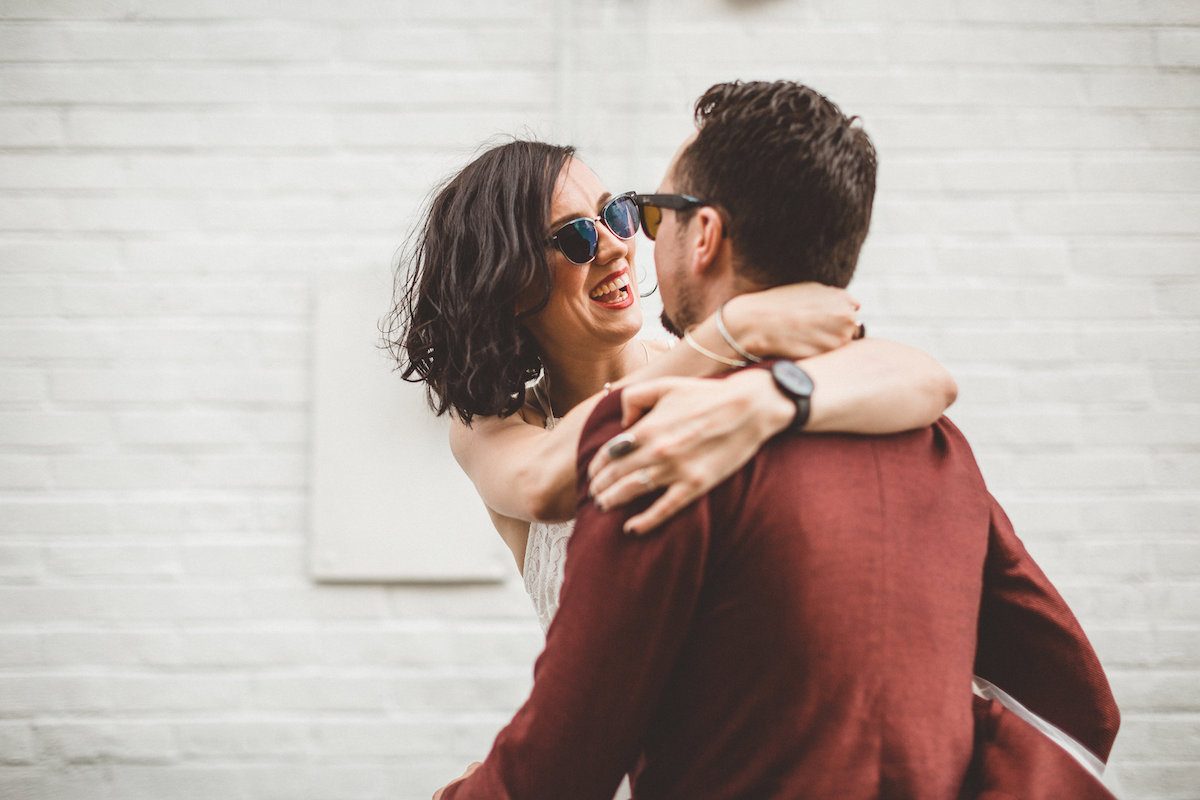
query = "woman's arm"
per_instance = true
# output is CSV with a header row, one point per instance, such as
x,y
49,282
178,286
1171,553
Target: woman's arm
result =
x,y
692,434
525,472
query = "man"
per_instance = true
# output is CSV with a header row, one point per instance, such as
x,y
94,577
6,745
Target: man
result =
x,y
811,627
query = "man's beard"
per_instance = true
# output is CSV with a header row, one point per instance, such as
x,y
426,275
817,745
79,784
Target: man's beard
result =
x,y
671,327
684,316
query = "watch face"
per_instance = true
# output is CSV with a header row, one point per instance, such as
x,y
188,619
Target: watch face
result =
x,y
792,379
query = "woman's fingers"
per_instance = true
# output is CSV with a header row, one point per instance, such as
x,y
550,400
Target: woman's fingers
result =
x,y
636,400
630,487
672,501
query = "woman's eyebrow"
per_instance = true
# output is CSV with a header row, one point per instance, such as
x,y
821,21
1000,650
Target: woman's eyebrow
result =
x,y
563,220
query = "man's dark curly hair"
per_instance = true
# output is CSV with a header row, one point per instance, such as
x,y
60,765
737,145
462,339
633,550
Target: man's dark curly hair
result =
x,y
481,247
793,177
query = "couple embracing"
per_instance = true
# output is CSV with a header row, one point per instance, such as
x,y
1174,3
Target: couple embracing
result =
x,y
785,577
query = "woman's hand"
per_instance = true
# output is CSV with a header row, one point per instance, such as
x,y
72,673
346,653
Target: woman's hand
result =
x,y
701,432
793,321
438,794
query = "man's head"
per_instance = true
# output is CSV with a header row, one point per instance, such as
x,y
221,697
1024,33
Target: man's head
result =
x,y
788,182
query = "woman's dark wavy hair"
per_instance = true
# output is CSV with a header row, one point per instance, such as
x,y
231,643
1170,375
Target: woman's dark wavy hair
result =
x,y
480,248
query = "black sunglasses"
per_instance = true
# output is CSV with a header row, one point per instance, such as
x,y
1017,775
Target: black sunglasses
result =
x,y
579,239
650,208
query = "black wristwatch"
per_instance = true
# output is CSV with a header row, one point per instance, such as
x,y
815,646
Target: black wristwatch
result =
x,y
797,386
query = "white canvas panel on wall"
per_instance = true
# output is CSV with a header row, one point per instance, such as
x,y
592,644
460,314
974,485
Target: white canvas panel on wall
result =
x,y
388,501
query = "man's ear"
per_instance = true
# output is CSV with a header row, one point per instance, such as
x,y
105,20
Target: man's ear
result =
x,y
710,237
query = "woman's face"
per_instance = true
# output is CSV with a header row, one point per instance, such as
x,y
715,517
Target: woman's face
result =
x,y
591,305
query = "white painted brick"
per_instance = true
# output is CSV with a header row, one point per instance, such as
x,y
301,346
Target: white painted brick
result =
x,y
133,563
1180,386
423,45
177,781
22,386
103,740
404,644
41,694
1178,470
252,647
22,782
28,300
24,472
1136,258
346,603
158,694
1081,47
212,299
20,564
19,649
1174,174
1025,10
1147,12
38,515
76,647
32,256
1160,779
31,128
1178,298
340,692
233,738
242,561
365,738
1178,48
1167,514
1108,217
337,781
1179,645
185,428
54,429
446,693
16,743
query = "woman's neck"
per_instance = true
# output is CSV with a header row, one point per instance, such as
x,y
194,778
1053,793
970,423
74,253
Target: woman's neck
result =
x,y
574,379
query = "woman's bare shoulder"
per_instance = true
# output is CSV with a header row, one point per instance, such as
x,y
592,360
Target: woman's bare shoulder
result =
x,y
656,347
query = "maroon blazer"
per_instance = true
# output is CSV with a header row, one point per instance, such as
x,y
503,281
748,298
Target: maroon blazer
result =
x,y
806,630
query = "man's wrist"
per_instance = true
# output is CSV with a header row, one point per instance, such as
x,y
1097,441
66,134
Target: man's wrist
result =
x,y
776,411
796,387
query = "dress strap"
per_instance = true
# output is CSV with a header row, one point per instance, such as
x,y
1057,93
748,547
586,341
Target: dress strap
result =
x,y
541,394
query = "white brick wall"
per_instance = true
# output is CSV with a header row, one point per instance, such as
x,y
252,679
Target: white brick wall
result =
x,y
174,175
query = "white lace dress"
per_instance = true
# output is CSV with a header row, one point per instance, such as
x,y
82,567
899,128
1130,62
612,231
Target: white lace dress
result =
x,y
545,559
546,548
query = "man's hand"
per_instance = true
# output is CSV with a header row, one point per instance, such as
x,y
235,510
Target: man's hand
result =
x,y
685,435
438,794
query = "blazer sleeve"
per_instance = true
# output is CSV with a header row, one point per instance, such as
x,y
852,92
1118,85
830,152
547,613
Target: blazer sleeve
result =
x,y
1033,647
624,611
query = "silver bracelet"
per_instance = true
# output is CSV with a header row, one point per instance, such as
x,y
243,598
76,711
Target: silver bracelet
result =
x,y
731,362
729,340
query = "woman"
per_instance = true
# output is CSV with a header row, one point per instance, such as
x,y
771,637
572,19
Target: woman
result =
x,y
520,310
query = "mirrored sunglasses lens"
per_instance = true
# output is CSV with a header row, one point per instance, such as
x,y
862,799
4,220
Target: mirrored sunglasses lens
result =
x,y
577,241
621,217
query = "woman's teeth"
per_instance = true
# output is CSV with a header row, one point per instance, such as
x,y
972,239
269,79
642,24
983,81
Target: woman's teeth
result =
x,y
611,291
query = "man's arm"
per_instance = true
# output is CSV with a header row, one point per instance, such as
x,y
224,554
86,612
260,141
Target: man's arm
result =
x,y
623,615
1032,647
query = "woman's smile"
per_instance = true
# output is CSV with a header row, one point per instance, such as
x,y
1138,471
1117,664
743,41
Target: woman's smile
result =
x,y
614,291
